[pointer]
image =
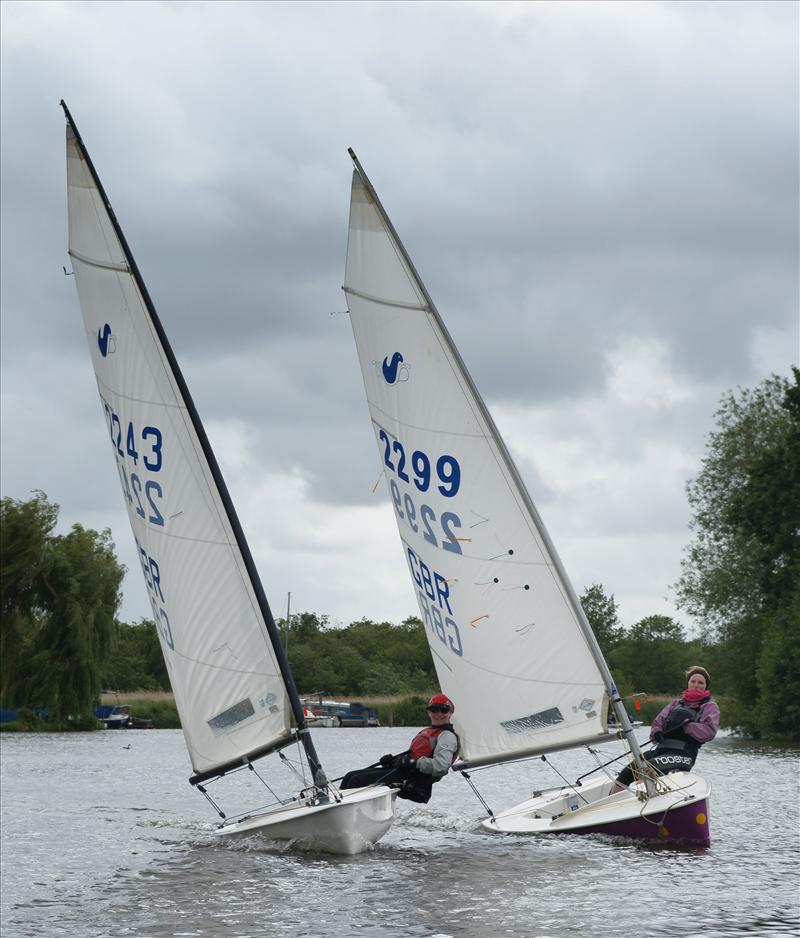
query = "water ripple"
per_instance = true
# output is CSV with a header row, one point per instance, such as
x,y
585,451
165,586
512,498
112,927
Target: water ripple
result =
x,y
87,852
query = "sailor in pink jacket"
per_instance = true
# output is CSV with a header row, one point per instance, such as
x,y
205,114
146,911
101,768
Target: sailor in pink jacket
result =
x,y
681,728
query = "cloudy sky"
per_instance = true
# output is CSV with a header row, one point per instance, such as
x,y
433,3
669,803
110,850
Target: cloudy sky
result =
x,y
602,199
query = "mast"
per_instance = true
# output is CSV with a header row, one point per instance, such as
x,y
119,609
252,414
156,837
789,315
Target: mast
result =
x,y
258,589
574,602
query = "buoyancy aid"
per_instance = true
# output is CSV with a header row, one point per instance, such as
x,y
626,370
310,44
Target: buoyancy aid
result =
x,y
674,737
417,785
680,716
423,744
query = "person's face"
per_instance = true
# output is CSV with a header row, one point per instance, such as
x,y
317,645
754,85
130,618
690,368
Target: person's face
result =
x,y
697,682
437,716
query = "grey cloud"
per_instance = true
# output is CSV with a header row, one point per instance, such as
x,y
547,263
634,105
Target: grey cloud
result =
x,y
564,184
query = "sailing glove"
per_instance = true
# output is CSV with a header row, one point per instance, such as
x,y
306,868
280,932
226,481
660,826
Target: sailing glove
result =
x,y
386,761
406,762
657,736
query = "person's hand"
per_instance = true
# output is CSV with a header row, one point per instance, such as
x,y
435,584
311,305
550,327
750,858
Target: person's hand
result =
x,y
387,760
406,762
657,736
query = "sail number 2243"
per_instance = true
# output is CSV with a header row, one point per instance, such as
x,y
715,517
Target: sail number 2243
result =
x,y
131,445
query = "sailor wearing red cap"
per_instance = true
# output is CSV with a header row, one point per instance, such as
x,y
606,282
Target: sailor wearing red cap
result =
x,y
428,758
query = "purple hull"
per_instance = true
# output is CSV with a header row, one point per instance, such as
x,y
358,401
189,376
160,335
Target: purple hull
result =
x,y
687,824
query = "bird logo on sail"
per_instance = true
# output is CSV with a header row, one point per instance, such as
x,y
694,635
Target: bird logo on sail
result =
x,y
394,370
106,341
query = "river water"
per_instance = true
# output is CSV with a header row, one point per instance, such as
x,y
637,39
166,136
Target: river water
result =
x,y
102,836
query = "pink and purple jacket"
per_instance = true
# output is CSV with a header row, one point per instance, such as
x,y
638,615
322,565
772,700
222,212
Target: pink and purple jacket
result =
x,y
702,730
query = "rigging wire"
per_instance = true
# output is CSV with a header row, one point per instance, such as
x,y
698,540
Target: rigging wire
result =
x,y
249,765
211,801
596,754
322,791
262,780
574,786
291,765
477,794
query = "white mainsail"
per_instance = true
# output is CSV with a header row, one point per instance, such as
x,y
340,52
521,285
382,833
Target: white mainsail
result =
x,y
228,687
499,613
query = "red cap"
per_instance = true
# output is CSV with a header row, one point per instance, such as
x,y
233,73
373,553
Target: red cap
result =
x,y
442,701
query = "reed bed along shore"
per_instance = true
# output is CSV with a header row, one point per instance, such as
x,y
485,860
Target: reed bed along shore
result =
x,y
156,709
159,706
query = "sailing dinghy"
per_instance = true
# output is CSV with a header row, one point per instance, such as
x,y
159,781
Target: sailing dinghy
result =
x,y
233,688
509,638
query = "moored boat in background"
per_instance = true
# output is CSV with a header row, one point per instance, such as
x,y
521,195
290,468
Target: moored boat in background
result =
x,y
114,716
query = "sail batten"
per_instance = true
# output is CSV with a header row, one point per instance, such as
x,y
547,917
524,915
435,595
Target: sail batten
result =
x,y
506,630
102,265
384,301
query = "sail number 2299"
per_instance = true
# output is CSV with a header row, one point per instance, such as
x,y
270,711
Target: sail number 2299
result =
x,y
424,522
419,466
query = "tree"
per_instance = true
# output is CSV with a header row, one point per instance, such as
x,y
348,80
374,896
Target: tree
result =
x,y
137,662
25,528
741,573
652,655
746,501
601,611
364,658
778,674
58,608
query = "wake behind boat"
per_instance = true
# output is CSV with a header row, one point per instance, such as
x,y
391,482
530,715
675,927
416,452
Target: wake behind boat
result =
x,y
509,638
234,690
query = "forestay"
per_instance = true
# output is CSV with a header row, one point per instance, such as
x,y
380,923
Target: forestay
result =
x,y
503,631
228,688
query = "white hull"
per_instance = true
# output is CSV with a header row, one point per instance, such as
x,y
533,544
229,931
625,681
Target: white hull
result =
x,y
679,812
327,722
348,826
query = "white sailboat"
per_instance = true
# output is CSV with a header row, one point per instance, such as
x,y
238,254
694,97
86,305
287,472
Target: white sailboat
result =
x,y
231,680
510,641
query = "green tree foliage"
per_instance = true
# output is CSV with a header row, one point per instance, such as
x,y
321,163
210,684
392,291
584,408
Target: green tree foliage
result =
x,y
652,656
137,662
601,611
741,573
778,673
59,595
364,658
25,530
